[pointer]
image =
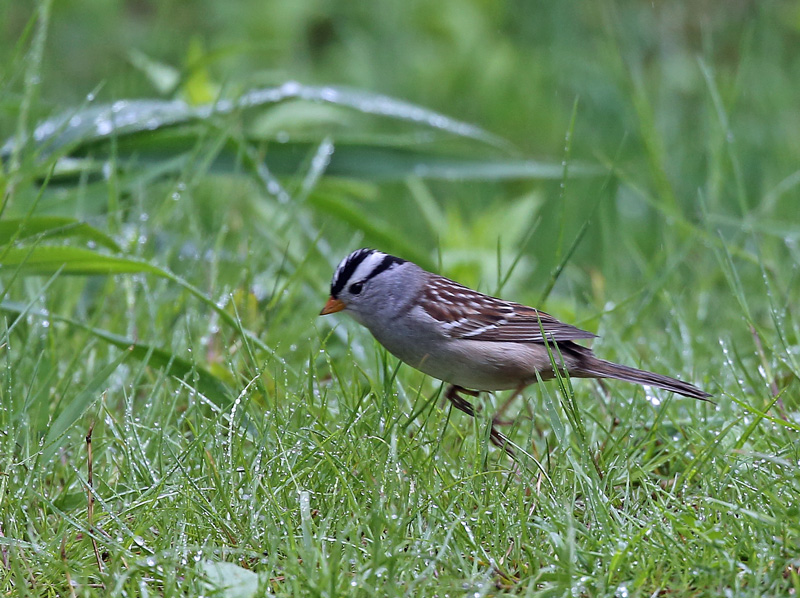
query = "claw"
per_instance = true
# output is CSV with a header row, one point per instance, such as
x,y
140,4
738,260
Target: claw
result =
x,y
460,402
501,441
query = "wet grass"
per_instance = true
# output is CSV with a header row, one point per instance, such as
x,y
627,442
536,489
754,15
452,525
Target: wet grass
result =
x,y
161,285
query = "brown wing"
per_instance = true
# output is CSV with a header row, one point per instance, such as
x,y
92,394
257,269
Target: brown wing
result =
x,y
472,315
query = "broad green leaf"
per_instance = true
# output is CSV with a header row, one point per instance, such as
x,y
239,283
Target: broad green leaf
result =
x,y
124,117
147,131
228,580
53,227
357,160
69,260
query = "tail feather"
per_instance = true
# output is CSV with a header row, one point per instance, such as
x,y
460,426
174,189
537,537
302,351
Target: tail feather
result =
x,y
599,368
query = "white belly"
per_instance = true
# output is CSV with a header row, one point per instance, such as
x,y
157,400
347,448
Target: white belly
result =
x,y
479,365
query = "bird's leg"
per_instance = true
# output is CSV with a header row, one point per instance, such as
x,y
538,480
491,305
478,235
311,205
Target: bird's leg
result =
x,y
498,439
460,402
496,421
501,441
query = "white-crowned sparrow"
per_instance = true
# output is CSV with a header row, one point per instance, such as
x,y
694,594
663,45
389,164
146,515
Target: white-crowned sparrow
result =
x,y
470,340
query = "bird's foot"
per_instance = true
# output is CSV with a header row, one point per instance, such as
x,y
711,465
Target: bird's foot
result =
x,y
459,402
500,440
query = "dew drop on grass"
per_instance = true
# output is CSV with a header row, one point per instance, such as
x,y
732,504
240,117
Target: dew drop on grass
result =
x,y
102,126
651,398
421,170
273,188
45,130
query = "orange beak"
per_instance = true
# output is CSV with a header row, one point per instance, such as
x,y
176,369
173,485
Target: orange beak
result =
x,y
332,306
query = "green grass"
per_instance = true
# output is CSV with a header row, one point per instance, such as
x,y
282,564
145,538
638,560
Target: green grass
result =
x,y
161,285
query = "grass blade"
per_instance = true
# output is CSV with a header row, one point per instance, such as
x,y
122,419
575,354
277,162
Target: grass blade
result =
x,y
76,407
202,380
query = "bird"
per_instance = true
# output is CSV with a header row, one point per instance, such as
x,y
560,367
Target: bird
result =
x,y
472,341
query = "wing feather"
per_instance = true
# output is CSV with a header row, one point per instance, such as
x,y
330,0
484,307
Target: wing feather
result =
x,y
472,315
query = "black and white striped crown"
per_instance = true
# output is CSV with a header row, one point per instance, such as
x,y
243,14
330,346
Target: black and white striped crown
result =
x,y
361,266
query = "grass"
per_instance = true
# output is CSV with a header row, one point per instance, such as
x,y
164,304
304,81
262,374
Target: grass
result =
x,y
161,285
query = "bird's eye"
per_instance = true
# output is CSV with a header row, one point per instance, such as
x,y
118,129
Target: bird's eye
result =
x,y
356,287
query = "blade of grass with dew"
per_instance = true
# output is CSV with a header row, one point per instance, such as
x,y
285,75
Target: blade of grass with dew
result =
x,y
503,278
636,92
53,227
77,406
383,233
70,260
79,261
211,386
364,161
123,117
33,74
556,273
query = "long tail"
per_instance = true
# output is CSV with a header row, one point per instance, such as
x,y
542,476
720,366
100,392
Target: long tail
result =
x,y
599,368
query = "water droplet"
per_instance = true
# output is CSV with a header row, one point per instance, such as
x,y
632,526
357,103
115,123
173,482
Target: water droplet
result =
x,y
290,88
103,126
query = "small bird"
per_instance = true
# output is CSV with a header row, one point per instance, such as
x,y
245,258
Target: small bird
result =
x,y
470,340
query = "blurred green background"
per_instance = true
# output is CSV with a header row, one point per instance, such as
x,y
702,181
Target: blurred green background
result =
x,y
666,92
